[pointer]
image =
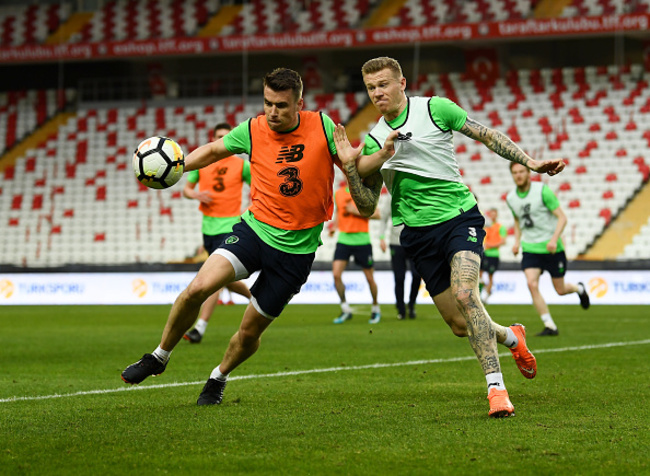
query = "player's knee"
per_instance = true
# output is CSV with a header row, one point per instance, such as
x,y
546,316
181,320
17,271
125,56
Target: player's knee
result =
x,y
463,297
196,291
248,337
533,286
562,290
458,329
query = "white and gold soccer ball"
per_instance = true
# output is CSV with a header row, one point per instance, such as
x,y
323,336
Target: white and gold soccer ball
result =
x,y
158,162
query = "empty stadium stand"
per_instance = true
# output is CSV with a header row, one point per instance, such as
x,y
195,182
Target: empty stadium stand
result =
x,y
120,20
30,24
73,197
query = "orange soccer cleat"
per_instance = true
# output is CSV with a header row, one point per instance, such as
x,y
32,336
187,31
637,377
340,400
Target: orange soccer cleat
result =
x,y
525,359
500,405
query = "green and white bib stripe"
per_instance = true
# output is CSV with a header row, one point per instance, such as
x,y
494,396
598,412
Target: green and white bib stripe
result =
x,y
534,210
423,175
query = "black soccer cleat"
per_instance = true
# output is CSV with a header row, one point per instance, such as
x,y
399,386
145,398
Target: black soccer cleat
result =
x,y
584,297
143,368
212,392
412,313
548,332
193,336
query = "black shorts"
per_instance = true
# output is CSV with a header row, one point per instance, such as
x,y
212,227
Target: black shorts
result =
x,y
555,264
212,242
432,247
281,274
490,264
362,254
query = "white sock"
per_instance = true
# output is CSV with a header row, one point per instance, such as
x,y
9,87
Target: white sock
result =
x,y
495,380
511,339
217,375
376,308
200,326
345,307
161,355
548,321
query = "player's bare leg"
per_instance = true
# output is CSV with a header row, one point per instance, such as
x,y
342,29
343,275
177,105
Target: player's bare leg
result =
x,y
563,289
452,315
513,337
242,345
213,275
338,266
195,335
375,314
465,269
245,342
532,279
240,288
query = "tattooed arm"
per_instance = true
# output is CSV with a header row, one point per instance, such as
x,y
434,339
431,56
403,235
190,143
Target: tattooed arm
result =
x,y
501,144
365,192
366,164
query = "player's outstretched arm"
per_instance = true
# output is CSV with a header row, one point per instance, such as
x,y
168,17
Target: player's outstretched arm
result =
x,y
501,144
365,192
205,155
366,164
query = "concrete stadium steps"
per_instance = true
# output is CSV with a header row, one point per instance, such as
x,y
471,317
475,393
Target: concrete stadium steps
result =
x,y
224,17
623,229
72,26
382,14
36,138
550,8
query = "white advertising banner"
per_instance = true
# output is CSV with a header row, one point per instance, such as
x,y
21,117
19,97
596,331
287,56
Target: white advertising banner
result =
x,y
605,287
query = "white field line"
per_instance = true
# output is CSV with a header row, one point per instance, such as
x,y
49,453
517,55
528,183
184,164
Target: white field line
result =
x,y
316,371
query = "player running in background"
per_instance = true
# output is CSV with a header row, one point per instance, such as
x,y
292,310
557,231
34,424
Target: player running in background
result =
x,y
539,222
292,156
495,237
353,240
220,198
398,259
412,145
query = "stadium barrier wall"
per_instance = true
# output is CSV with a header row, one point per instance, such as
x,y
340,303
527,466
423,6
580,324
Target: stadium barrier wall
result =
x,y
605,287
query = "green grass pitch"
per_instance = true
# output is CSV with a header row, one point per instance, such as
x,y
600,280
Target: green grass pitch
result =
x,y
400,397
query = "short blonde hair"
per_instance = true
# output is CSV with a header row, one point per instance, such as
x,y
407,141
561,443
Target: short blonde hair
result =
x,y
383,62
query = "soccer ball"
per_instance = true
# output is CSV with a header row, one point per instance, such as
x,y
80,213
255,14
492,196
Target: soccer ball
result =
x,y
158,162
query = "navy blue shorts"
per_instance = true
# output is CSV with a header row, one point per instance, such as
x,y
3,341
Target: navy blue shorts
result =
x,y
212,242
432,247
490,264
555,264
362,254
281,274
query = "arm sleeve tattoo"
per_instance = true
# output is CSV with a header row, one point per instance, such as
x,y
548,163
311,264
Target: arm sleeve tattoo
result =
x,y
365,192
496,141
